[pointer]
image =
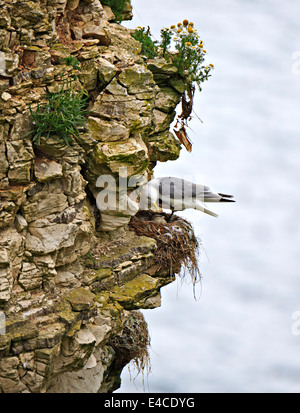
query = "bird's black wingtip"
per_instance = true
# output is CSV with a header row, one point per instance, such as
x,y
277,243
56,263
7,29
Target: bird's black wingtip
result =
x,y
226,200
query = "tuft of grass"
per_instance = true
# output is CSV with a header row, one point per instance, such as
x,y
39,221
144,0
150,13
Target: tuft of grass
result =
x,y
61,116
149,47
71,61
64,112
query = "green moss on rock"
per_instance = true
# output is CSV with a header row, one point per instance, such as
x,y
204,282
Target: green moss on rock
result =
x,y
80,299
131,294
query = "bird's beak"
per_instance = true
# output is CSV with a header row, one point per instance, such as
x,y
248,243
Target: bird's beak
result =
x,y
156,206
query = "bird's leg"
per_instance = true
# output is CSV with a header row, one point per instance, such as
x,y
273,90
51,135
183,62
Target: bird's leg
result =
x,y
170,216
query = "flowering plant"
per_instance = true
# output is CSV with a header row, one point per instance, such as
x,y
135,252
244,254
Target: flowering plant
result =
x,y
181,45
189,54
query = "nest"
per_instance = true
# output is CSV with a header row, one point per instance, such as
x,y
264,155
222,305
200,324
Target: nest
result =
x,y
134,343
177,246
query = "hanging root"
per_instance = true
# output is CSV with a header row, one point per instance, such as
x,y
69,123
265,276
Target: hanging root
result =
x,y
187,102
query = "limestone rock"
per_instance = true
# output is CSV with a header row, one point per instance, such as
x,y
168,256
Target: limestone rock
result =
x,y
30,277
100,328
10,201
96,32
20,223
115,104
111,222
45,240
73,4
159,66
44,204
51,147
163,147
127,13
131,154
19,157
10,64
66,279
6,96
80,299
88,75
107,131
3,161
45,170
83,242
20,173
108,14
7,213
137,79
133,294
26,13
11,251
167,99
106,71
162,120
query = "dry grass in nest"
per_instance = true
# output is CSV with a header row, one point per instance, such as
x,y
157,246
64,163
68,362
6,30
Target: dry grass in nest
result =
x,y
177,246
133,345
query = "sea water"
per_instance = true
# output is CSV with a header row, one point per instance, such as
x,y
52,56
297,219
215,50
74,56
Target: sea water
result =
x,y
241,334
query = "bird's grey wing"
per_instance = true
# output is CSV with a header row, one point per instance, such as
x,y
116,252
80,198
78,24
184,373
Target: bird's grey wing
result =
x,y
177,188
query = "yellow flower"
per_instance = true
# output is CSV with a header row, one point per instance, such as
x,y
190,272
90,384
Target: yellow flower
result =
x,y
173,26
179,31
179,24
190,29
185,22
188,43
200,45
211,65
204,51
191,24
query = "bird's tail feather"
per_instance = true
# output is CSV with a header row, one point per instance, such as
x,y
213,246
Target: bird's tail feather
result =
x,y
225,195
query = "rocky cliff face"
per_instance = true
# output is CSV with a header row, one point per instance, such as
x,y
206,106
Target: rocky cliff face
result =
x,y
71,275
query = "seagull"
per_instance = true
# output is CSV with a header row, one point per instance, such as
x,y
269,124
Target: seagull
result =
x,y
178,194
